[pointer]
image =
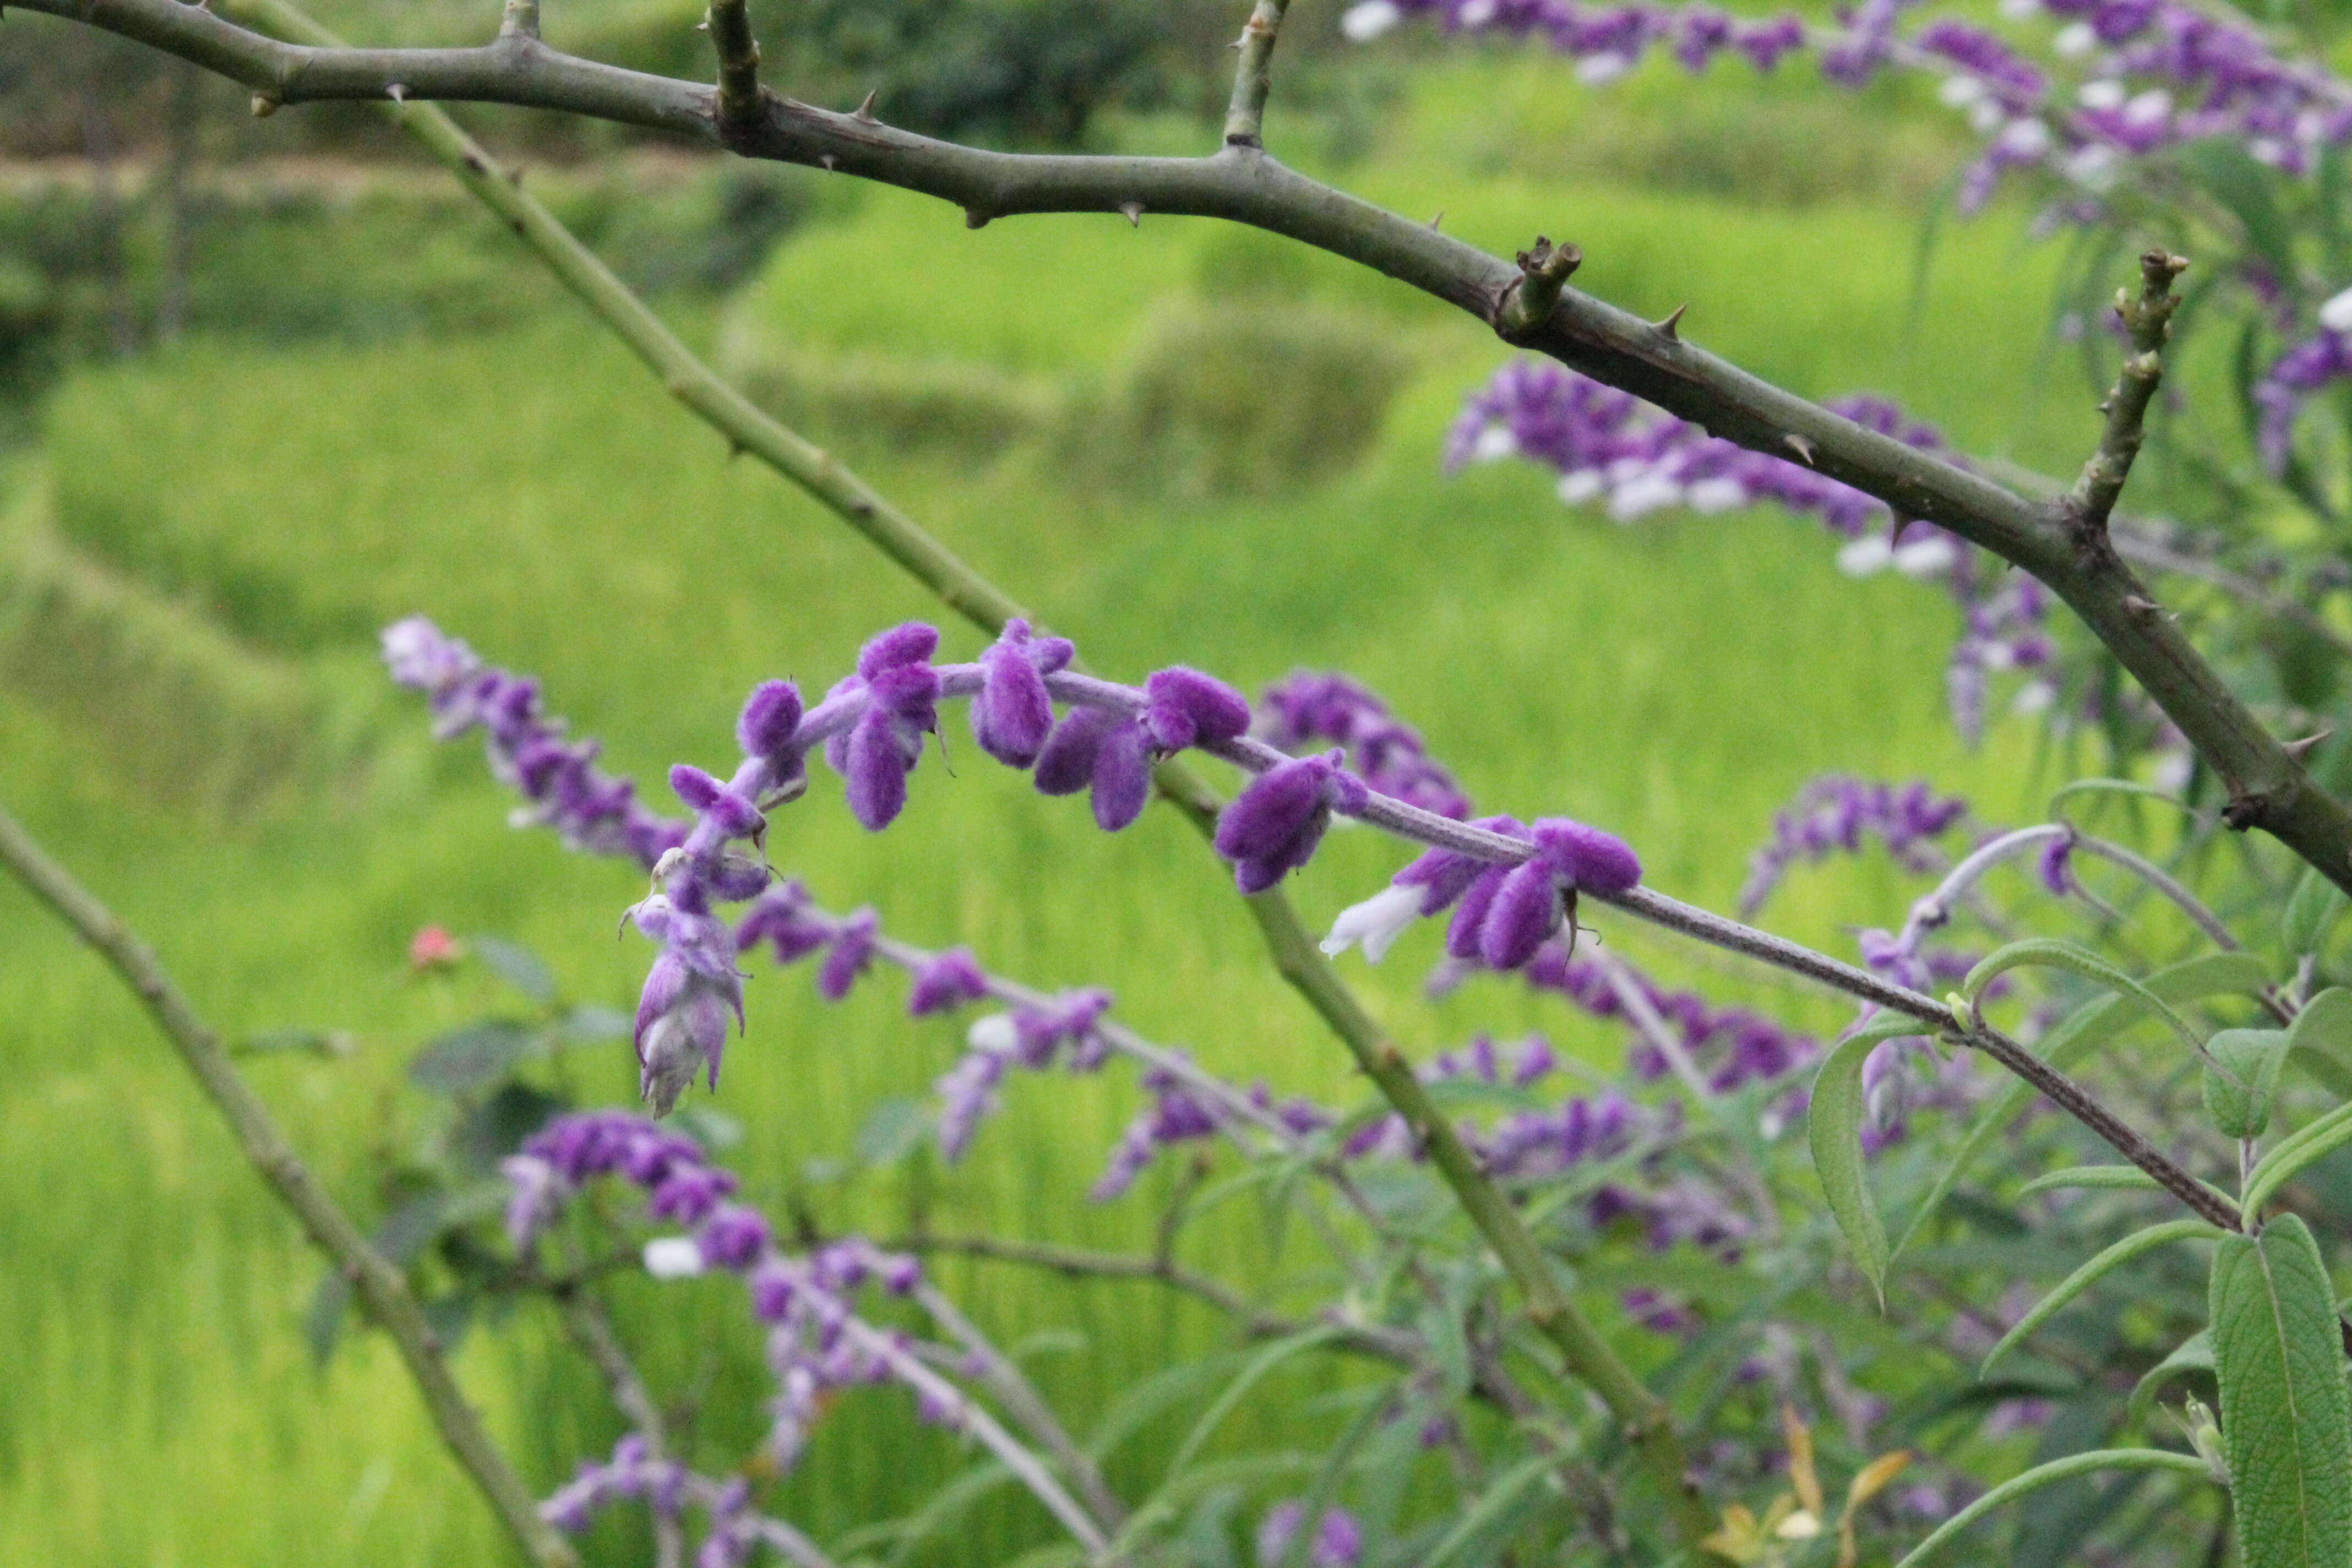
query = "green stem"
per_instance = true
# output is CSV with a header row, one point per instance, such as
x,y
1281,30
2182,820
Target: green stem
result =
x,y
381,1285
1245,116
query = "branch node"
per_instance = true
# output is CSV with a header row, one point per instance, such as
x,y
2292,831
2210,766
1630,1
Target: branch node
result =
x,y
730,25
1133,212
1544,271
1802,446
2245,809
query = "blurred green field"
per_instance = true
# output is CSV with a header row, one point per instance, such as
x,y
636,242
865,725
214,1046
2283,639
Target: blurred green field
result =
x,y
531,489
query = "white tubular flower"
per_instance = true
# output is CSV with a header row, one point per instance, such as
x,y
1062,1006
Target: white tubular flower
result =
x,y
1375,923
2337,314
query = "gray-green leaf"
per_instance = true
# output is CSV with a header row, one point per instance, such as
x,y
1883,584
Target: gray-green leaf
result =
x,y
2050,953
2241,1075
2310,914
469,1057
2320,1040
1834,1127
2194,1355
2286,1423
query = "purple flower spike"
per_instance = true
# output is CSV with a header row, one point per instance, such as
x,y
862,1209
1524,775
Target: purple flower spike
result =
x,y
1012,712
1506,915
1273,827
1525,911
1187,707
853,951
1104,752
947,983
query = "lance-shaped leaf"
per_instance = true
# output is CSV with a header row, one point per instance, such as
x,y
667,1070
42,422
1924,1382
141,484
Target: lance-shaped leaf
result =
x,y
517,965
2296,1150
2319,1041
2286,1423
2051,1474
2050,953
2098,1176
1833,1127
2088,1026
2193,1355
2311,914
2082,1279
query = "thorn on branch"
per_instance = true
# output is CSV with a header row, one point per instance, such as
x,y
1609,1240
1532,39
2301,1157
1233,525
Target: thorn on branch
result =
x,y
396,93
2301,748
1438,217
974,218
864,110
1134,213
1671,324
1802,447
1544,271
2139,605
828,163
263,105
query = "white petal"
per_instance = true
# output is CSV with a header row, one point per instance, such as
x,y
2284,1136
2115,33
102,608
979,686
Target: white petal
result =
x,y
2074,40
1362,24
1580,487
1925,557
1715,495
673,1258
2033,697
1642,496
2101,94
1495,443
1477,14
1598,70
2149,108
1959,91
992,1032
2025,137
1862,557
1987,116
1375,923
2337,314
2021,10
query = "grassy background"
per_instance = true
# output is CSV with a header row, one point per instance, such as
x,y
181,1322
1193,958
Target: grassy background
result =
x,y
255,510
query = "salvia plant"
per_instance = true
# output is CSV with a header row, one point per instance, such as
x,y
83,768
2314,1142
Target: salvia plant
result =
x,y
2033,1255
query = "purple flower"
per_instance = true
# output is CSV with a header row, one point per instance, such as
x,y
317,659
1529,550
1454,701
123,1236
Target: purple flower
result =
x,y
1104,752
535,1197
1506,914
1338,1541
766,727
881,748
1012,712
1185,708
681,1024
733,1237
1272,828
852,954
783,918
2055,866
1307,706
947,983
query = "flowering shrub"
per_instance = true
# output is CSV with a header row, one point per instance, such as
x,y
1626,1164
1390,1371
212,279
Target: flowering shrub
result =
x,y
1606,1311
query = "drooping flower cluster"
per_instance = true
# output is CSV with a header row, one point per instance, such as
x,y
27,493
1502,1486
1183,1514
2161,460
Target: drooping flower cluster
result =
x,y
1308,706
1612,447
1835,813
2151,73
1728,1047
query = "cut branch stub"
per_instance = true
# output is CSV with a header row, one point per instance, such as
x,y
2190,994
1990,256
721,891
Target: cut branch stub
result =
x,y
1544,271
2147,320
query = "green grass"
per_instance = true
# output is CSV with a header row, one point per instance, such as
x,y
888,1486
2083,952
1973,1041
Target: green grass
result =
x,y
535,493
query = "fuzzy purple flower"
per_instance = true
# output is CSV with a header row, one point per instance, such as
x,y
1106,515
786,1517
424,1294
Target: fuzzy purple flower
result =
x,y
877,753
1104,752
1307,707
1338,1540
1272,828
1012,713
950,979
1508,912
